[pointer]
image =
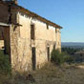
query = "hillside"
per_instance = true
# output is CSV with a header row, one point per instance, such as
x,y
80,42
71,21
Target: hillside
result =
x,y
73,44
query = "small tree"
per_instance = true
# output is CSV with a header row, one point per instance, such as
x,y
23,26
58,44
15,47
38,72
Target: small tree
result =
x,y
59,58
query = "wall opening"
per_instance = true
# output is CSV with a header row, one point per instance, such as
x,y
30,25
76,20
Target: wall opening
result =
x,y
32,32
5,40
48,53
33,58
47,26
5,49
54,46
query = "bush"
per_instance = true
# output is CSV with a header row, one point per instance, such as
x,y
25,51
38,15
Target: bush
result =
x,y
59,58
4,63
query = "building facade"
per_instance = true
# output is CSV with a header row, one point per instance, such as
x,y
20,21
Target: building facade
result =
x,y
28,38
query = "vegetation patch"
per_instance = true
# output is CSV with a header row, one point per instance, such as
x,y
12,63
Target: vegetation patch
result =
x,y
4,63
60,58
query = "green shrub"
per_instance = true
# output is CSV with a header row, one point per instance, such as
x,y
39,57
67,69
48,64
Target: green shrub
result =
x,y
4,63
59,58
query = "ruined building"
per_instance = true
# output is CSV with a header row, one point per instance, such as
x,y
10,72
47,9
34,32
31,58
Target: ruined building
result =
x,y
27,37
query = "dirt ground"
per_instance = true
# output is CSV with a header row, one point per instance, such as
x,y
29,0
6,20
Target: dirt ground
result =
x,y
65,74
50,74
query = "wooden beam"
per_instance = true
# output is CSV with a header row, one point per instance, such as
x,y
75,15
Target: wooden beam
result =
x,y
4,24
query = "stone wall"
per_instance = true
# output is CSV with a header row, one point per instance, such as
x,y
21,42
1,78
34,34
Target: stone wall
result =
x,y
18,40
21,43
58,39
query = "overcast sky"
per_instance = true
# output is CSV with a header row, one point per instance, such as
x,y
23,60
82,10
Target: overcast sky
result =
x,y
67,13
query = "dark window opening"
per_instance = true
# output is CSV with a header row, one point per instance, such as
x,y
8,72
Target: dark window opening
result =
x,y
48,53
54,47
33,58
33,32
47,26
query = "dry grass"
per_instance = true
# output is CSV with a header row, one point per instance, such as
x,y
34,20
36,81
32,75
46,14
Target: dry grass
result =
x,y
49,74
65,74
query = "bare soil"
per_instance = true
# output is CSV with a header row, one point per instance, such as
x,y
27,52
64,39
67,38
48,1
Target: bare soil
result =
x,y
49,74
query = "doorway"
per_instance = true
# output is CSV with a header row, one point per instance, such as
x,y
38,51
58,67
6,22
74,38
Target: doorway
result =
x,y
48,53
33,58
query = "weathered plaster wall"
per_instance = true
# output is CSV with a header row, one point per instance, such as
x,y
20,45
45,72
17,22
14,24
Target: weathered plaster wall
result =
x,y
44,38
20,47
21,43
58,39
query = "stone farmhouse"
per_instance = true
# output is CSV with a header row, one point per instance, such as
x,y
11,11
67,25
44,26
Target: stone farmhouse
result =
x,y
26,37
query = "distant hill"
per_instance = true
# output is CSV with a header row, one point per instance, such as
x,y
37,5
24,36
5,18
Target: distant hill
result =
x,y
73,44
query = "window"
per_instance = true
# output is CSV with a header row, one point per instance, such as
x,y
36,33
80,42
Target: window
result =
x,y
54,47
33,32
47,26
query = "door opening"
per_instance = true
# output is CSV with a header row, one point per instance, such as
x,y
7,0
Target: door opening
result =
x,y
48,53
33,58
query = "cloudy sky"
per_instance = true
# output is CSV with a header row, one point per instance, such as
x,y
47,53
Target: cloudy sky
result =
x,y
67,13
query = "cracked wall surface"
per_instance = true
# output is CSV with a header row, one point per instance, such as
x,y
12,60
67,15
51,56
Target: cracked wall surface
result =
x,y
23,43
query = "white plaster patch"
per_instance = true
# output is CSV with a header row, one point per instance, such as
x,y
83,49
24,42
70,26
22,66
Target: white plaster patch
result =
x,y
51,27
